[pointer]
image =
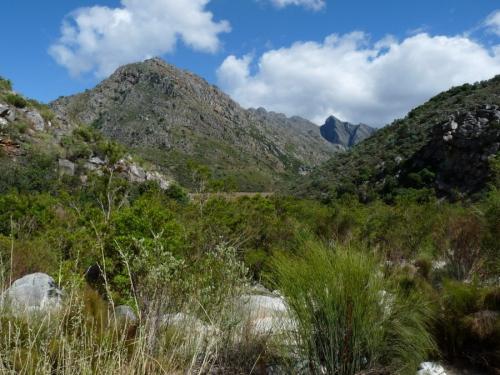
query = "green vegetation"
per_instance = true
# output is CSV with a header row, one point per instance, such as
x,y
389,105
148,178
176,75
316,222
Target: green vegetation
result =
x,y
377,278
389,164
5,84
16,100
377,261
351,317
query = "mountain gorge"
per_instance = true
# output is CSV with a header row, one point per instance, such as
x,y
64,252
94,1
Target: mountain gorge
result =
x,y
172,118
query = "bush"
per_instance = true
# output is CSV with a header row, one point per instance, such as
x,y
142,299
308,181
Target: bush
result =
x,y
16,100
5,84
350,317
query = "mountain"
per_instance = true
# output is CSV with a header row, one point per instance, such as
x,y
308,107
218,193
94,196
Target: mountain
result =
x,y
449,146
175,119
344,133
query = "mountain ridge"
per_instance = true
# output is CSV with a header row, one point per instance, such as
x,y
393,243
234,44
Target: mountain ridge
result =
x,y
171,116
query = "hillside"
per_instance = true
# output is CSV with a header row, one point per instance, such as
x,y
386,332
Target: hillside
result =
x,y
446,145
174,118
38,153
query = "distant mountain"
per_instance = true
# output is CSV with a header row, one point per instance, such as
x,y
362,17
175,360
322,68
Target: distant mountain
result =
x,y
344,133
172,118
448,145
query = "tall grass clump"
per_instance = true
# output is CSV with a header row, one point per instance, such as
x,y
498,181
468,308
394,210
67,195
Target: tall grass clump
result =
x,y
351,318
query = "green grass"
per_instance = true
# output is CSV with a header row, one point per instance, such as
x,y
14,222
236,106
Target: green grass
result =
x,y
351,318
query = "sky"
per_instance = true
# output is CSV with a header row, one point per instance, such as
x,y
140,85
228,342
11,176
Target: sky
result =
x,y
360,60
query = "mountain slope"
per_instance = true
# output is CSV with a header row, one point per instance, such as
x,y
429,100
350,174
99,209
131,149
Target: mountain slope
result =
x,y
38,153
344,133
172,117
446,145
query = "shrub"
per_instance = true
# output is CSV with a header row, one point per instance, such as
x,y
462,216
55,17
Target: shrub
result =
x,y
16,100
350,317
5,84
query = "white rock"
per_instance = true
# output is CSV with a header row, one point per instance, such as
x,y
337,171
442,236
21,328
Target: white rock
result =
x,y
137,174
66,167
431,368
186,323
36,119
37,292
125,314
96,160
265,314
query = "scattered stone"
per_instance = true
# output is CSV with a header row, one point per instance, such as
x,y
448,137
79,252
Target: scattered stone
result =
x,y
97,160
37,292
66,167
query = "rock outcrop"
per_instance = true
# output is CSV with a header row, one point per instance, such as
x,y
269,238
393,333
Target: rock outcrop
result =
x,y
459,151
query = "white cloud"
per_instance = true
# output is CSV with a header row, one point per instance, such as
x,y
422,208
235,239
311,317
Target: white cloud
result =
x,y
99,39
355,79
492,23
311,4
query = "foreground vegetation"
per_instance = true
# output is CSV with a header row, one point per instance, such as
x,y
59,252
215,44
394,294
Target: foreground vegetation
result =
x,y
372,287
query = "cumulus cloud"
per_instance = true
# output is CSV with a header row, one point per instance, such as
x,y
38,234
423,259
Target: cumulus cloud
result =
x,y
492,23
311,4
98,39
356,79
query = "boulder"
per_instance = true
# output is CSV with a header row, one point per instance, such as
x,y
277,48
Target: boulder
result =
x,y
37,292
186,323
125,314
36,119
4,109
265,314
66,167
7,113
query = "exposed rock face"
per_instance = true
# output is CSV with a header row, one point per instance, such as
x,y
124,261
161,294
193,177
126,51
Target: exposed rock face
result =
x,y
459,151
37,292
125,168
344,133
171,116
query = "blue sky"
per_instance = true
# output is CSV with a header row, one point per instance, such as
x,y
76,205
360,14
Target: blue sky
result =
x,y
337,57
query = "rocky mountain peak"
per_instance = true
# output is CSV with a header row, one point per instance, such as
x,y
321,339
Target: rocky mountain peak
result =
x,y
345,133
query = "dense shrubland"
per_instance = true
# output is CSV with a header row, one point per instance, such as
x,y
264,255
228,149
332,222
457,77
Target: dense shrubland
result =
x,y
373,287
